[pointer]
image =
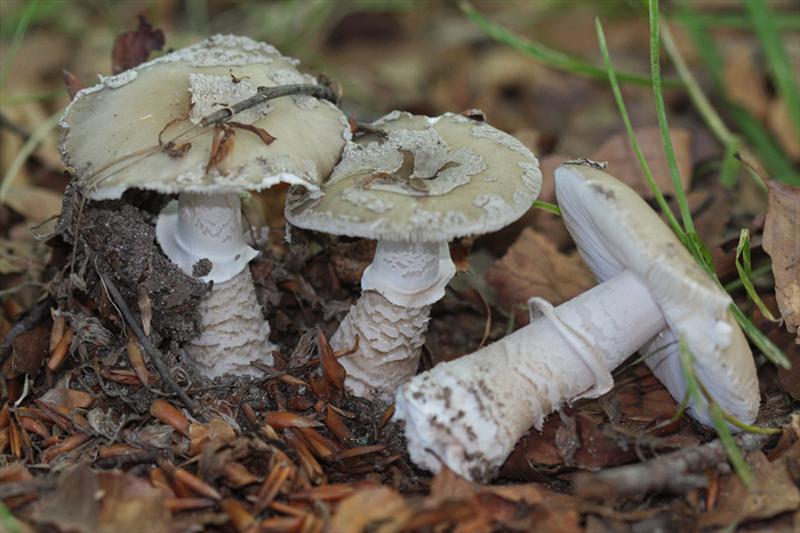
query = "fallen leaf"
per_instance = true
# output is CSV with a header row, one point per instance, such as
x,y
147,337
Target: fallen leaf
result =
x,y
375,509
743,77
773,492
532,267
782,243
34,203
29,349
132,48
784,129
623,164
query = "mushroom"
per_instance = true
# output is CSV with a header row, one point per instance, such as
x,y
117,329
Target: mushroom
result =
x,y
146,128
413,183
469,413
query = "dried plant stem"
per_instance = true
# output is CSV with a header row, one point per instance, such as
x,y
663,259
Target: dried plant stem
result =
x,y
673,472
155,355
264,94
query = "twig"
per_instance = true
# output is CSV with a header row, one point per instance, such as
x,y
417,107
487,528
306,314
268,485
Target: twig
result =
x,y
269,93
30,319
152,351
669,473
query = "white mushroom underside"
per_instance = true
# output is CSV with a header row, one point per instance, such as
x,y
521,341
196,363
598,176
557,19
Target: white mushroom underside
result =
x,y
234,330
390,339
469,413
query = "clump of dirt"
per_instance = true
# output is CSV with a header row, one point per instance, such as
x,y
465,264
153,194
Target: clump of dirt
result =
x,y
123,238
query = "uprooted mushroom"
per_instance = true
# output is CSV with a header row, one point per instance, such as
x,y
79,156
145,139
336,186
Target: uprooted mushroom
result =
x,y
413,183
196,123
469,413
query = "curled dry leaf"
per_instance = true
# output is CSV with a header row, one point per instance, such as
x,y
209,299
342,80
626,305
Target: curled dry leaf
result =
x,y
67,399
216,431
782,243
623,164
534,267
332,369
132,48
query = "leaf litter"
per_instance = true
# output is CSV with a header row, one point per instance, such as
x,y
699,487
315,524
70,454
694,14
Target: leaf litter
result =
x,y
93,440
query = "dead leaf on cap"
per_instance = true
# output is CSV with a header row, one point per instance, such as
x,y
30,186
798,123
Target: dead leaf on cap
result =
x,y
782,243
532,267
132,48
622,162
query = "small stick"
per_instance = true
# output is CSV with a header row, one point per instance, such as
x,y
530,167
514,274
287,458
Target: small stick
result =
x,y
152,351
669,473
269,93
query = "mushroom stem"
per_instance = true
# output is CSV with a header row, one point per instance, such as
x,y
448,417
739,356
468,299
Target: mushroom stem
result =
x,y
234,331
209,227
469,413
205,226
391,316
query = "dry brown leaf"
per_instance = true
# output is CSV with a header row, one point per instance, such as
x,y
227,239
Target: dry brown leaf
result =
x,y
332,369
29,349
132,48
622,162
379,510
744,80
36,204
72,83
773,492
104,502
782,243
534,267
782,126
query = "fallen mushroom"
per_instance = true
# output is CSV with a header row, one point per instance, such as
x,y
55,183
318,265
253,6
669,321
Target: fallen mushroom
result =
x,y
413,183
147,128
469,413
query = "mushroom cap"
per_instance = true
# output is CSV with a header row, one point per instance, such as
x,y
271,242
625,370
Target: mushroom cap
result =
x,y
111,136
415,178
615,230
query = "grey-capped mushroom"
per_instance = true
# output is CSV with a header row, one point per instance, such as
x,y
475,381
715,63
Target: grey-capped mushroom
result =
x,y
144,128
412,183
469,413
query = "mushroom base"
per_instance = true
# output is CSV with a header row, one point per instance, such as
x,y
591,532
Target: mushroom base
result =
x,y
390,339
234,331
469,413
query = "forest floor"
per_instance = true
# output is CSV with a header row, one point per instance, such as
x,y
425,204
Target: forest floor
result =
x,y
92,438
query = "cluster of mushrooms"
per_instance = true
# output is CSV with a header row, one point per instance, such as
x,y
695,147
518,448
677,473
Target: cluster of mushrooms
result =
x,y
413,183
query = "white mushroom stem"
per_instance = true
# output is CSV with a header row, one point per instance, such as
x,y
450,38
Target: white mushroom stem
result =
x,y
233,329
469,413
234,332
391,316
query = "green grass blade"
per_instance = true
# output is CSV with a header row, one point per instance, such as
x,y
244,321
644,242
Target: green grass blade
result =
x,y
761,341
547,55
19,35
734,453
623,111
663,125
757,273
710,116
744,268
716,414
778,61
546,206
